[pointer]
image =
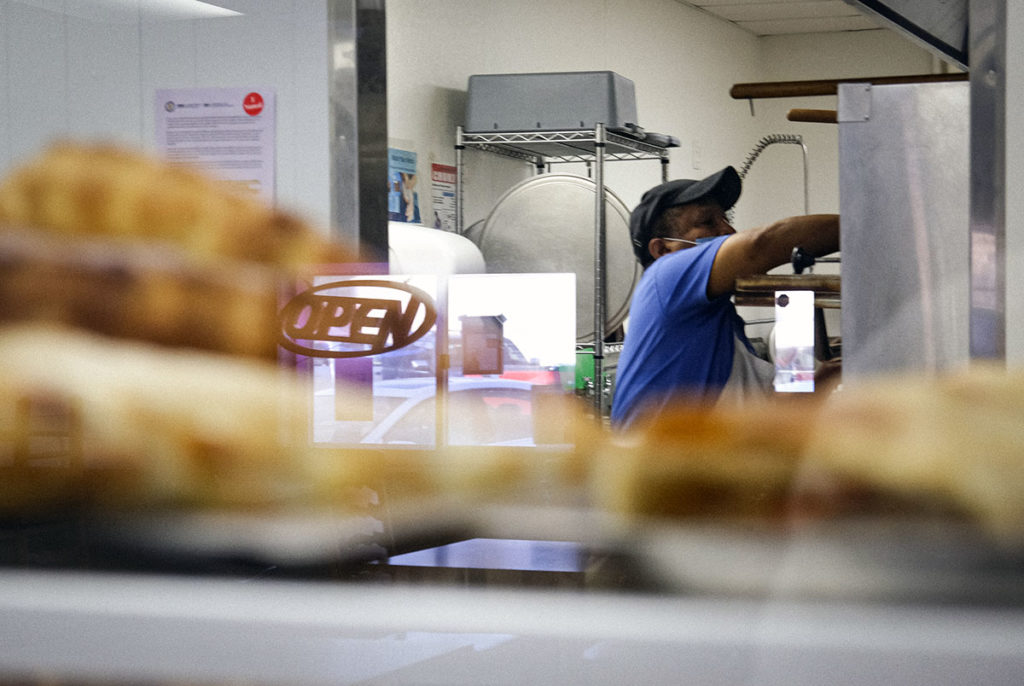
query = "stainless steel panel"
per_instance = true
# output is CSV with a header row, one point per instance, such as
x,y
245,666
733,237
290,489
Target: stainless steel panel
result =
x,y
988,179
358,121
904,197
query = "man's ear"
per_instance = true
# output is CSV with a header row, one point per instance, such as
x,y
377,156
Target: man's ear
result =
x,y
657,247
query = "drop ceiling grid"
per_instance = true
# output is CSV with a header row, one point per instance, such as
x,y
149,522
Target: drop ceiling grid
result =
x,y
777,17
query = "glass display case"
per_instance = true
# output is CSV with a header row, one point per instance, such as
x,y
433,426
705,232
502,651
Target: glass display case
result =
x,y
407,559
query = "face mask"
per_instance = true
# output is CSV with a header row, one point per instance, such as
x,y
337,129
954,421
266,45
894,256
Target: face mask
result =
x,y
699,241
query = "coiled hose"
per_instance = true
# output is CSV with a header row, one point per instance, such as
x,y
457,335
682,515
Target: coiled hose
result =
x,y
771,139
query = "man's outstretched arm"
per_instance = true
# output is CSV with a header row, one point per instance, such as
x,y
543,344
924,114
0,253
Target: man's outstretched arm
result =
x,y
756,251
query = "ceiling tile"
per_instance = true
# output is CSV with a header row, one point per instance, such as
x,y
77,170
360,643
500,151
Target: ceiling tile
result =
x,y
808,25
785,10
774,17
748,3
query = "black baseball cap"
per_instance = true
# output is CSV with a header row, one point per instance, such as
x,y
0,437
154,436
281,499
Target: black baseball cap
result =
x,y
723,186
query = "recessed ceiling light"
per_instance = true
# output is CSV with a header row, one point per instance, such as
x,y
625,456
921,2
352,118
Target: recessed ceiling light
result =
x,y
121,10
191,8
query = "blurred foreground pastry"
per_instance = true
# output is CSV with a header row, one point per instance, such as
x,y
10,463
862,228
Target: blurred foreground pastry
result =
x,y
138,349
947,446
124,244
691,461
138,336
955,438
106,191
92,421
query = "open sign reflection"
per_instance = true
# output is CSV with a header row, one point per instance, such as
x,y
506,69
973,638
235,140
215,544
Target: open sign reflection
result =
x,y
356,317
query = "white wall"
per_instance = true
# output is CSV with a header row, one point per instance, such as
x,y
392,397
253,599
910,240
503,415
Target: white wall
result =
x,y
71,68
435,45
683,63
817,56
88,70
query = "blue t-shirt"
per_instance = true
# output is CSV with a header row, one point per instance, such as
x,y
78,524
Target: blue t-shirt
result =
x,y
679,342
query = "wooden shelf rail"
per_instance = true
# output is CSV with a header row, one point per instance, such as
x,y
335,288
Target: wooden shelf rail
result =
x,y
796,89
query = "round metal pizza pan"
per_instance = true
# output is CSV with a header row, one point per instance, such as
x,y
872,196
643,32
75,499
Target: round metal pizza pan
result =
x,y
545,224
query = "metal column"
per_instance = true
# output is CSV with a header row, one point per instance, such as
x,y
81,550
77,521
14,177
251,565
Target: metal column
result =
x,y
600,261
988,179
357,92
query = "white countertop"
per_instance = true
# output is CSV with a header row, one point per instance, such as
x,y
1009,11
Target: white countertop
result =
x,y
205,630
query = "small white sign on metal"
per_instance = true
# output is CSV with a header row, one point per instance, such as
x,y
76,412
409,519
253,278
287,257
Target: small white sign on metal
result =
x,y
794,341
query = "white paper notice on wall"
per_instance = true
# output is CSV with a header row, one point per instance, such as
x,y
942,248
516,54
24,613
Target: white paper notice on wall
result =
x,y
794,341
228,132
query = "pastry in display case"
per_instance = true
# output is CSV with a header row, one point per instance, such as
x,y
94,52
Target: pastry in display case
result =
x,y
139,306
143,395
154,452
898,488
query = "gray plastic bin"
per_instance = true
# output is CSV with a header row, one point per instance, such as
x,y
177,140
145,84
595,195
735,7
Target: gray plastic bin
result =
x,y
557,101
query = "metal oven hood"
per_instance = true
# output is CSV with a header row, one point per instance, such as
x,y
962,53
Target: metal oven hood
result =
x,y
939,25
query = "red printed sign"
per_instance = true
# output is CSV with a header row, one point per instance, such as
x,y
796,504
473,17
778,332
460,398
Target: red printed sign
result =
x,y
442,173
253,104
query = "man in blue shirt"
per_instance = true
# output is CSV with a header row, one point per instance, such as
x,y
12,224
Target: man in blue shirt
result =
x,y
685,339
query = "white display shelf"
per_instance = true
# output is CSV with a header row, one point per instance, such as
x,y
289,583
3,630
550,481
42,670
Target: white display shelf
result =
x,y
112,628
